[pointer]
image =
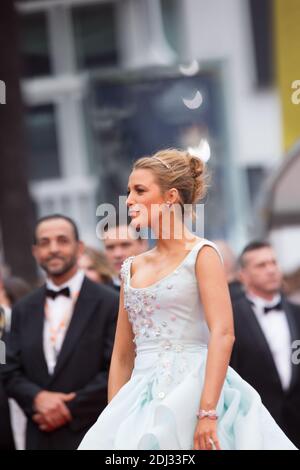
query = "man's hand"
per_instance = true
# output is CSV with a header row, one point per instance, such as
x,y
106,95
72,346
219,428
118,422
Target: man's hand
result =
x,y
43,426
51,411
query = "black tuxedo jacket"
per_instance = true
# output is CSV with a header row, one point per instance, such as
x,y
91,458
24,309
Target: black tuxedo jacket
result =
x,y
6,437
82,365
253,360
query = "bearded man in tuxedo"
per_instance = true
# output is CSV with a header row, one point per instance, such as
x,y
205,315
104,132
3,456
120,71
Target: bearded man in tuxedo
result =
x,y
59,349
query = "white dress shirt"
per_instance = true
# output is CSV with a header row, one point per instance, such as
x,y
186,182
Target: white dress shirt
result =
x,y
58,310
116,281
7,317
275,327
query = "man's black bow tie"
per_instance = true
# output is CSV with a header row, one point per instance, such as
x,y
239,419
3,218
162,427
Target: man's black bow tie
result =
x,y
278,306
55,293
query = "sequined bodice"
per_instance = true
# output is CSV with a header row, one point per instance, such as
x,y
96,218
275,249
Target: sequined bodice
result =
x,y
169,312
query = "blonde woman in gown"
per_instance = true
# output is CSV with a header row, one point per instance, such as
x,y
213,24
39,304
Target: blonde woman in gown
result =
x,y
175,333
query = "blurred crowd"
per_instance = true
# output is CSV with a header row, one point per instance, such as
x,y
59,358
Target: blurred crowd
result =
x,y
59,334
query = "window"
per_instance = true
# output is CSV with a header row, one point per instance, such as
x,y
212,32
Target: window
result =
x,y
170,22
95,39
42,142
256,176
34,45
261,19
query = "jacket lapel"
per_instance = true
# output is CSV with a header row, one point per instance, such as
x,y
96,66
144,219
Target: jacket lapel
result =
x,y
261,341
83,309
35,327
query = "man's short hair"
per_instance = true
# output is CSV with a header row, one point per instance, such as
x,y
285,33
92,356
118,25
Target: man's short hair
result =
x,y
119,222
254,245
52,217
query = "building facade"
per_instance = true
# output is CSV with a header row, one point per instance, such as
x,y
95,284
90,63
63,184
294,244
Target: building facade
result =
x,y
69,47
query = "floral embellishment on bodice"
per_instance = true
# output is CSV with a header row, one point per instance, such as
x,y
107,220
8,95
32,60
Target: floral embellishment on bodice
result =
x,y
142,306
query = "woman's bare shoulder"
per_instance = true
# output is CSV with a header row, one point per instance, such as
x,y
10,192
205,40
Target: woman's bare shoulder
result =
x,y
209,257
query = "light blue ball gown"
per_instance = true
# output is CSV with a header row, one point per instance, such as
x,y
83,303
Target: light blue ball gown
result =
x,y
157,408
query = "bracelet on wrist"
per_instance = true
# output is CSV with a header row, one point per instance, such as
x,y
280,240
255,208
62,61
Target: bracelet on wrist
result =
x,y
210,414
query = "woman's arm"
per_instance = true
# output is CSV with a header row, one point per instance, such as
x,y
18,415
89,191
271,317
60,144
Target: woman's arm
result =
x,y
216,302
123,352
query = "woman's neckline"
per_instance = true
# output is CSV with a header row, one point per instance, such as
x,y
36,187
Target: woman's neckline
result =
x,y
163,278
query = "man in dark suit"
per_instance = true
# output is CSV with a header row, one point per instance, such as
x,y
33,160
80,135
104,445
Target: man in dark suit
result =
x,y
60,344
266,326
119,244
6,437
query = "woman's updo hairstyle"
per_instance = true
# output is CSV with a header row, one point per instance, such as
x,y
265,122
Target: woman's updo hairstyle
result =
x,y
178,169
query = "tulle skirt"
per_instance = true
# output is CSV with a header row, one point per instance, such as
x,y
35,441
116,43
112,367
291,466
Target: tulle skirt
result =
x,y
156,409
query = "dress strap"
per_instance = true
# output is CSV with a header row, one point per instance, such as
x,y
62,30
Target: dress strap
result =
x,y
125,269
202,243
